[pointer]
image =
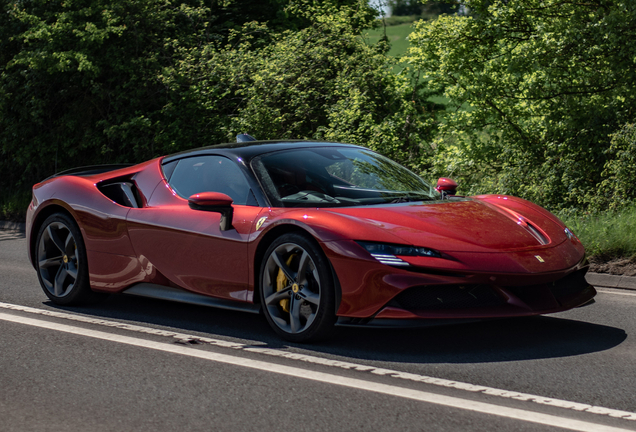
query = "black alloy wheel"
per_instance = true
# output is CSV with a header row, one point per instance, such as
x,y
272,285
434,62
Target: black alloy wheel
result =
x,y
297,289
61,261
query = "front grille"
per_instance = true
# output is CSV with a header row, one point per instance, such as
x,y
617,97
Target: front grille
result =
x,y
570,285
439,297
537,297
540,296
544,296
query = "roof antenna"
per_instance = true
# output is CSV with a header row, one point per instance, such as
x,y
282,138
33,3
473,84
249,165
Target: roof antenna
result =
x,y
244,137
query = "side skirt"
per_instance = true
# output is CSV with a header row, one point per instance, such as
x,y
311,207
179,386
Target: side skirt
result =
x,y
182,296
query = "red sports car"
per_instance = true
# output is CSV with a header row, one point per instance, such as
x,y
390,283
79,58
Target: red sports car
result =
x,y
313,234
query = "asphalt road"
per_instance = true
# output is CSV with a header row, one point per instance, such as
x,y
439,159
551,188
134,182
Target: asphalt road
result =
x,y
138,364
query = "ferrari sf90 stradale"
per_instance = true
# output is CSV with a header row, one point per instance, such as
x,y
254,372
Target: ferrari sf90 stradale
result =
x,y
313,234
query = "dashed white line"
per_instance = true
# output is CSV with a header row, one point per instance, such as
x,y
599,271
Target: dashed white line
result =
x,y
616,292
625,415
359,384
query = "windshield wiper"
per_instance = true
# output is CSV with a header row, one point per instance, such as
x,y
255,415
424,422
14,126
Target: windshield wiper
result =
x,y
410,198
310,196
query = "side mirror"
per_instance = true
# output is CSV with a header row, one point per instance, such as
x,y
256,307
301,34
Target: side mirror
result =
x,y
446,186
215,202
244,137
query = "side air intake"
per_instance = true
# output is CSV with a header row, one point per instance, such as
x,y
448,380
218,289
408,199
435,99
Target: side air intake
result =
x,y
123,193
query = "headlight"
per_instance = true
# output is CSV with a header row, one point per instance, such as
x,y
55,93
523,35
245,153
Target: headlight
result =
x,y
571,235
387,253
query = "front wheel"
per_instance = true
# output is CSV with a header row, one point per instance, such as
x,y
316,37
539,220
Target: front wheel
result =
x,y
61,261
297,289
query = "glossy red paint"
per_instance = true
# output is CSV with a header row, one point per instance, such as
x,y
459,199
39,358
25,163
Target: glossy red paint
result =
x,y
113,272
368,285
492,240
188,247
462,225
210,199
446,185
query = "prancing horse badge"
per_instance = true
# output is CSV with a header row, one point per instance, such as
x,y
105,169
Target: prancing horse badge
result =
x,y
260,222
538,257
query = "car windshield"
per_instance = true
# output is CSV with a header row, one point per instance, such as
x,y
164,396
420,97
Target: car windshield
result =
x,y
337,177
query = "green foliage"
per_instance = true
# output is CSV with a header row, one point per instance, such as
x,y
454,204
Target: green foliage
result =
x,y
78,81
619,184
547,83
605,234
322,82
85,82
13,204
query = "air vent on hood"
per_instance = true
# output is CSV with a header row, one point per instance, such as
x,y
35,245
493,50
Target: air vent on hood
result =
x,y
525,223
536,233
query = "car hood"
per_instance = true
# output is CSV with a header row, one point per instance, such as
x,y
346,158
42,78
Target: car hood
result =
x,y
462,225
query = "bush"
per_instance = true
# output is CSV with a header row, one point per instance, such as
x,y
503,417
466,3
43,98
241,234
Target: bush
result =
x,y
88,82
536,90
618,189
322,82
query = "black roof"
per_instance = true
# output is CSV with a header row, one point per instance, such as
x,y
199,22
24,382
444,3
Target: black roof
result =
x,y
250,149
89,170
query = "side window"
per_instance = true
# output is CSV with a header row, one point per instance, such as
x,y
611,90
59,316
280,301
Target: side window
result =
x,y
210,174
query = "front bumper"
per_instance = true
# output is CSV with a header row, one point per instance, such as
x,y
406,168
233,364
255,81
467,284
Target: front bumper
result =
x,y
376,292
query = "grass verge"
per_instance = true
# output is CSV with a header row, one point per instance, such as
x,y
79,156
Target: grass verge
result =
x,y
606,235
397,35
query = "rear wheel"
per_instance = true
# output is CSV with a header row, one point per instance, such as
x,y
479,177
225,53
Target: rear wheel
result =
x,y
61,261
297,289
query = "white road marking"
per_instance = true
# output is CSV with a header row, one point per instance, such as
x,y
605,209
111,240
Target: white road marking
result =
x,y
418,395
616,292
575,406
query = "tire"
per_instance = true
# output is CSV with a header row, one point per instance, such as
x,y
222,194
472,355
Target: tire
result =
x,y
297,290
61,262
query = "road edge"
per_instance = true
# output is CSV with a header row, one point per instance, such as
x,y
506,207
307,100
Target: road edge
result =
x,y
604,280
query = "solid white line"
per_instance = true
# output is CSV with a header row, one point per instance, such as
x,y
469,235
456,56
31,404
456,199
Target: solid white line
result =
x,y
449,401
559,403
615,291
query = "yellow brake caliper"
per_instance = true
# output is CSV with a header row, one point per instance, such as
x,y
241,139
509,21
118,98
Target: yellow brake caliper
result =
x,y
282,282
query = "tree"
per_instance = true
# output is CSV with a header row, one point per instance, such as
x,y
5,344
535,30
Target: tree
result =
x,y
618,187
536,87
79,85
82,82
87,82
322,82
